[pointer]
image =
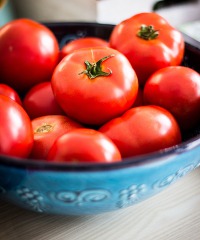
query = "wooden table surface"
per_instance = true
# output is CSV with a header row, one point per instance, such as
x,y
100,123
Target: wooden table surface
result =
x,y
173,214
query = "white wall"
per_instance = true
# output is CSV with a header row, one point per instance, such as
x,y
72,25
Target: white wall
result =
x,y
114,11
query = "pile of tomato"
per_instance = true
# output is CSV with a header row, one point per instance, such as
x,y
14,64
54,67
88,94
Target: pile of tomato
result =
x,y
95,100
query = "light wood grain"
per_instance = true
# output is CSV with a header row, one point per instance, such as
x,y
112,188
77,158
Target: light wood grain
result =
x,y
174,214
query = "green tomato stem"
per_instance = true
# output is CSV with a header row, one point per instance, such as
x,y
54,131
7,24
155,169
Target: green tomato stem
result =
x,y
94,70
147,32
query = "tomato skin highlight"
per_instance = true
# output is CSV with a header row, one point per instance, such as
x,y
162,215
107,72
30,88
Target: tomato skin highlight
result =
x,y
94,101
147,56
84,145
46,130
142,130
29,54
40,101
16,134
177,89
85,42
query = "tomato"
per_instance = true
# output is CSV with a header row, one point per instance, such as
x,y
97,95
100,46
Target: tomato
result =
x,y
46,129
29,54
84,145
143,130
85,42
40,101
10,92
16,134
178,90
94,85
149,42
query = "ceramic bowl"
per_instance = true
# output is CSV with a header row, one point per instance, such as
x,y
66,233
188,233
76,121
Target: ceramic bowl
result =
x,y
96,188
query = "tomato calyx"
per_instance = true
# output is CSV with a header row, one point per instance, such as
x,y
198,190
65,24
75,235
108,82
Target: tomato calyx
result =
x,y
45,128
147,32
94,70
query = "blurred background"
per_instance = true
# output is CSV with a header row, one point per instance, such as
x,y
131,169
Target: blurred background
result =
x,y
182,14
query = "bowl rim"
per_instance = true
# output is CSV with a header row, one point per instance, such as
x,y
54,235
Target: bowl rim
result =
x,y
135,161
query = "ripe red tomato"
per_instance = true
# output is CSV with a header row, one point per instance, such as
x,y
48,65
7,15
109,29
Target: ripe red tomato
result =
x,y
84,145
86,42
40,101
16,134
178,90
143,130
29,54
10,92
46,129
149,42
94,85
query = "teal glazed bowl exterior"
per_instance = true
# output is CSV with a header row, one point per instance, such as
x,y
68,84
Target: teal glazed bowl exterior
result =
x,y
96,188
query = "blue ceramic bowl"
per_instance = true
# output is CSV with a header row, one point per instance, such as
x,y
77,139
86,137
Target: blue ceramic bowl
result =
x,y
96,188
